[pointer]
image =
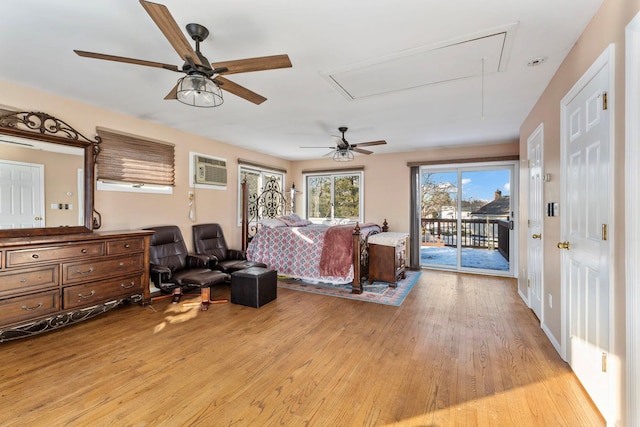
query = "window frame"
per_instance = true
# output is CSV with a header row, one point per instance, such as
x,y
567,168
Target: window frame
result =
x,y
333,175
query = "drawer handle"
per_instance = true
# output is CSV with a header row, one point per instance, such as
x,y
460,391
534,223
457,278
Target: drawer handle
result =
x,y
92,293
127,246
23,280
35,256
84,251
124,286
90,270
24,307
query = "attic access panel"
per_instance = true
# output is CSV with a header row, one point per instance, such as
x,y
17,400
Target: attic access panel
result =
x,y
449,61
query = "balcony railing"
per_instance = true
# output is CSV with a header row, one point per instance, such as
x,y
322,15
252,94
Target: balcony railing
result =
x,y
475,233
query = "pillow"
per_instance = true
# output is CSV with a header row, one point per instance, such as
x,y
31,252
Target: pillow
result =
x,y
294,220
272,222
292,217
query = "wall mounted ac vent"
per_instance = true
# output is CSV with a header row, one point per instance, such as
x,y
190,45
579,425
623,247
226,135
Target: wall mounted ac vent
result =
x,y
210,171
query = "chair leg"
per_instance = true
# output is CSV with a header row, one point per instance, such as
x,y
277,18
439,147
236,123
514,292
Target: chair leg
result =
x,y
177,293
175,296
205,294
206,299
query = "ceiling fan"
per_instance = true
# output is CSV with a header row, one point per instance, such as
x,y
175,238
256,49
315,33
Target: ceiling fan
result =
x,y
203,81
343,151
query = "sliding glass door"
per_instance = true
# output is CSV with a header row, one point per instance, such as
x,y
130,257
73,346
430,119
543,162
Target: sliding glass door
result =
x,y
467,217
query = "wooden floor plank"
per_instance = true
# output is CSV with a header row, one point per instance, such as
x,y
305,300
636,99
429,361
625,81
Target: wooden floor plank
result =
x,y
462,350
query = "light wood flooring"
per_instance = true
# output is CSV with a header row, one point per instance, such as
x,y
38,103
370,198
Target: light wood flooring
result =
x,y
462,350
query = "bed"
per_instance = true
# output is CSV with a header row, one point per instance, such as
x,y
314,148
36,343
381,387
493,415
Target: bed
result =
x,y
296,248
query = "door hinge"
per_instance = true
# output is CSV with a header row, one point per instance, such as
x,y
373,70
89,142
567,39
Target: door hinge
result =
x,y
605,232
529,163
604,362
528,283
605,106
528,223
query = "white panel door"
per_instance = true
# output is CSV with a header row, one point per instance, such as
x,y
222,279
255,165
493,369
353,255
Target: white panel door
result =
x,y
21,195
536,209
586,262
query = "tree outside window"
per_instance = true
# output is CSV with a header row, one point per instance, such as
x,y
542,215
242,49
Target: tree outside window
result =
x,y
334,198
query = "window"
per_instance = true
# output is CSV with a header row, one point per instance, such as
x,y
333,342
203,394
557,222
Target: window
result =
x,y
131,163
256,176
334,198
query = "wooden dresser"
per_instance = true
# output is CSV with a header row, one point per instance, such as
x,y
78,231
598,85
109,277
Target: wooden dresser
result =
x,y
387,257
52,281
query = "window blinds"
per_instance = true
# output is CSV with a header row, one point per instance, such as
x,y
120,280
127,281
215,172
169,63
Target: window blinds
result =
x,y
132,159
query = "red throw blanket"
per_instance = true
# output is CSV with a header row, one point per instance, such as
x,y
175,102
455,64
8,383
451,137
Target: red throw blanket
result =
x,y
337,250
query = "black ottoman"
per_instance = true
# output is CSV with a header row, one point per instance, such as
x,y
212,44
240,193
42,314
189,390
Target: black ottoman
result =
x,y
254,286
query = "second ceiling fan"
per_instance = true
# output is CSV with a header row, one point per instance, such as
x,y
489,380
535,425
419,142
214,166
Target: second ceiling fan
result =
x,y
343,151
203,79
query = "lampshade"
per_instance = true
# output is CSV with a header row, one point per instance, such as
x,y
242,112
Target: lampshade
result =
x,y
343,156
199,91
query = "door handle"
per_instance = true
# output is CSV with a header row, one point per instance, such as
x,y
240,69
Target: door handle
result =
x,y
536,236
563,245
38,218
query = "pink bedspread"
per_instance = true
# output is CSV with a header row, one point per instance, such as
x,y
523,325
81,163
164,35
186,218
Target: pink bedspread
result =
x,y
297,252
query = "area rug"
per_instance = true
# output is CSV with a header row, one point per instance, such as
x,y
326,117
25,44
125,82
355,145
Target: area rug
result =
x,y
378,292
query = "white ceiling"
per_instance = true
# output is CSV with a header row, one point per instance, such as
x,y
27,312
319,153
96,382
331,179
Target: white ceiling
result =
x,y
389,54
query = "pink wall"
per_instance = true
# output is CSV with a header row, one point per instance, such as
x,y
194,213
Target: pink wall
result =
x,y
386,176
131,210
607,27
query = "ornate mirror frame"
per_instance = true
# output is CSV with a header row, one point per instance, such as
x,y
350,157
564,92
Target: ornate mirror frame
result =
x,y
46,128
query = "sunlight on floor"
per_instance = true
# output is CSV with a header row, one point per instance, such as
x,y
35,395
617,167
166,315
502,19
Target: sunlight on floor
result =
x,y
497,409
186,310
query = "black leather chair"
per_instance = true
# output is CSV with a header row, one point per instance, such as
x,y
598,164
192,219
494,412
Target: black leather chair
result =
x,y
173,269
208,239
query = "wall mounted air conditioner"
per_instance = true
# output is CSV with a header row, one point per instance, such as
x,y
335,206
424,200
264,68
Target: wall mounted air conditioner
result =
x,y
210,171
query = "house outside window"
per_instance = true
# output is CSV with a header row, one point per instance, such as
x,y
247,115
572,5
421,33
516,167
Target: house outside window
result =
x,y
334,198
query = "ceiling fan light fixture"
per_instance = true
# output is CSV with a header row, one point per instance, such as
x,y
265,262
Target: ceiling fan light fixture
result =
x,y
199,91
343,156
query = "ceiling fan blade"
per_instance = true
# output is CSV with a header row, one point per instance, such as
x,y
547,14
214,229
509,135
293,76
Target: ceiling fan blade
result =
x,y
163,19
331,148
361,151
240,91
173,94
127,60
254,64
364,144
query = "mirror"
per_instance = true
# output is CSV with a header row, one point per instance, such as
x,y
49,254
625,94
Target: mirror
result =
x,y
46,176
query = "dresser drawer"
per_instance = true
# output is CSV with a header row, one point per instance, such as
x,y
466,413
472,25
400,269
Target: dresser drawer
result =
x,y
97,269
97,292
117,247
22,257
29,280
29,307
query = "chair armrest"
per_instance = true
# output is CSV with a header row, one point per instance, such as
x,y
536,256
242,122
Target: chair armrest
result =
x,y
236,254
198,261
157,271
212,262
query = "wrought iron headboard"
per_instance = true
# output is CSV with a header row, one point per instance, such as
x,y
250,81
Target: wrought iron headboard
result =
x,y
271,202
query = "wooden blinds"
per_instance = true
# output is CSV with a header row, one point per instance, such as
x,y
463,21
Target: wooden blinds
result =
x,y
132,159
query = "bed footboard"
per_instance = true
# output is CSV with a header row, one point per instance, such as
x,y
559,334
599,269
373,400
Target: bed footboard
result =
x,y
361,257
